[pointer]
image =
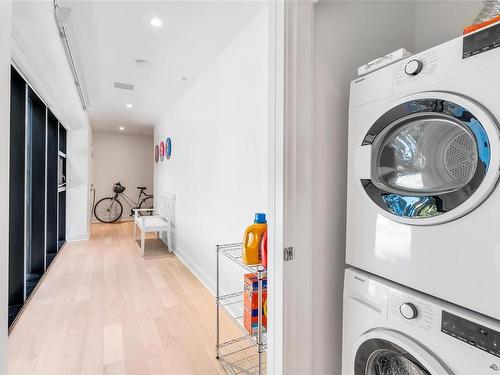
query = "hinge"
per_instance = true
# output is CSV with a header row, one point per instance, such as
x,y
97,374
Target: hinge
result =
x,y
288,253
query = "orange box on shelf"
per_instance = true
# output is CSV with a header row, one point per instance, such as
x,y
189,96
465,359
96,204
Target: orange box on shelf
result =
x,y
251,299
478,26
251,320
253,283
251,303
251,288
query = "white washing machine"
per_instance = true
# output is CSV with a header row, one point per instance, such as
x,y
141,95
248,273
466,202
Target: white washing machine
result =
x,y
392,330
424,158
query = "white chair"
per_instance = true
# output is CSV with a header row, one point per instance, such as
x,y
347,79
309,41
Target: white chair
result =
x,y
161,221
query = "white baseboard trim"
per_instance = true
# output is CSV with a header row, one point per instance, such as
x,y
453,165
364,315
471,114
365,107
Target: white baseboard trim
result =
x,y
207,282
95,221
84,237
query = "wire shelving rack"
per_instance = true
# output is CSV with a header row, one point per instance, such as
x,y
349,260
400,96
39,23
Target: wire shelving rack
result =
x,y
244,354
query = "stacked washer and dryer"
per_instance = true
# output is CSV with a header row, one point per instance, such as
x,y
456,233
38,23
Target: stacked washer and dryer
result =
x,y
422,291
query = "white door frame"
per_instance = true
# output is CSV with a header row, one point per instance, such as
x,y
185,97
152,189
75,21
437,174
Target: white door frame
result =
x,y
290,185
275,187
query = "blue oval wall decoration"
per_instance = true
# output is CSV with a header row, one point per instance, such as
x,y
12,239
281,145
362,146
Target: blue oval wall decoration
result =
x,y
168,147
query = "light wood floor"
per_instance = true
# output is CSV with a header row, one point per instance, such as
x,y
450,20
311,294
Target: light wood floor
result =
x,y
103,309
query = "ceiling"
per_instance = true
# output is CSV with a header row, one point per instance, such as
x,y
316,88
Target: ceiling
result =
x,y
110,36
38,54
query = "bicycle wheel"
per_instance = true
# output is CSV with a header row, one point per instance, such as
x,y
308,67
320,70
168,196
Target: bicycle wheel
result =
x,y
108,210
147,202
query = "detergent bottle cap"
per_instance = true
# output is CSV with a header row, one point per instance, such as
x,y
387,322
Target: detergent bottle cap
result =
x,y
260,218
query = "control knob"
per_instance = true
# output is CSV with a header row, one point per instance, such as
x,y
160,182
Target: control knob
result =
x,y
413,67
408,310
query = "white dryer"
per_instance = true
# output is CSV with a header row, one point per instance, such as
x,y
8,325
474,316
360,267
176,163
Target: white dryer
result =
x,y
392,330
424,158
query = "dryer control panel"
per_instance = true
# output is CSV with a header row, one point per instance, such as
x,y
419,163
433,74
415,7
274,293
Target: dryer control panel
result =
x,y
481,41
472,333
411,310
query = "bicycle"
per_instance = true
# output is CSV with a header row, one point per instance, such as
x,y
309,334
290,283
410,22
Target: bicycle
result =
x,y
110,209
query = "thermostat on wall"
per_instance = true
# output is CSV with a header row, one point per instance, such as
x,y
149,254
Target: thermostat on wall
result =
x,y
380,62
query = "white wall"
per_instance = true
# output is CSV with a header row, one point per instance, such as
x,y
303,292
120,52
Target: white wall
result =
x,y
5,19
439,21
77,209
38,51
347,35
90,156
218,168
127,158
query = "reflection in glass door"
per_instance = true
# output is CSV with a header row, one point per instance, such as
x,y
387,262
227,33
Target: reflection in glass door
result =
x,y
428,156
36,125
28,192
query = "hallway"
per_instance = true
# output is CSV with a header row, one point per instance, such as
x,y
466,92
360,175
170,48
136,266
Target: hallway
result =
x,y
103,309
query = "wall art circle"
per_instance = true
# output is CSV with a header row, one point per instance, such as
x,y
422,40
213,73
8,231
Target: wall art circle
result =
x,y
157,153
162,150
168,147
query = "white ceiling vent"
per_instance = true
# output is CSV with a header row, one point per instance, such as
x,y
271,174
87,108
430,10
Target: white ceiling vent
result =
x,y
141,62
124,86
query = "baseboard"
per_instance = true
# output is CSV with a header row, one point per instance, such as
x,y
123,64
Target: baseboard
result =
x,y
207,282
84,237
95,221
195,270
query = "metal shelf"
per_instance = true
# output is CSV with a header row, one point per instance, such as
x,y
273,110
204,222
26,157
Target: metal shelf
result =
x,y
238,357
245,354
232,304
234,251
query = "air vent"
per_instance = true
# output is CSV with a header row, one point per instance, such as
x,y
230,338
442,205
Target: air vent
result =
x,y
142,61
124,86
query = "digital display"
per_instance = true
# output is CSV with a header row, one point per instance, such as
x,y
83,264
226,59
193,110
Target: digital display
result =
x,y
472,333
480,36
481,41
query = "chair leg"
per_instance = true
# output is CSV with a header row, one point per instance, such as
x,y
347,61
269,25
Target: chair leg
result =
x,y
135,231
143,240
169,240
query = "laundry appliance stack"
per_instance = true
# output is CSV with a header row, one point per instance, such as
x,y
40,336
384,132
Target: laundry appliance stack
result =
x,y
422,288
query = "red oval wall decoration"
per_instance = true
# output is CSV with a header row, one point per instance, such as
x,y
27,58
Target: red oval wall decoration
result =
x,y
162,150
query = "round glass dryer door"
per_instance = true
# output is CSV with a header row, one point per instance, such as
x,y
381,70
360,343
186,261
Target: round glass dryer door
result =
x,y
432,158
390,353
380,357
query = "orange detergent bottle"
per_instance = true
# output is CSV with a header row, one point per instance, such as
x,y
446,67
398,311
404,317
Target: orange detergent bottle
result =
x,y
252,238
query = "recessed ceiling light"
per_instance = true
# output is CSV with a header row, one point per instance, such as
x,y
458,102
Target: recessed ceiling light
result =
x,y
122,128
156,22
128,105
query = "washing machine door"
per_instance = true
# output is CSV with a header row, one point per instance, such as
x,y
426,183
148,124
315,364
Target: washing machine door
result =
x,y
431,158
383,352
